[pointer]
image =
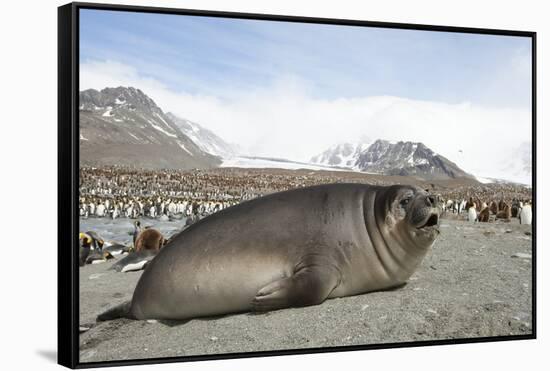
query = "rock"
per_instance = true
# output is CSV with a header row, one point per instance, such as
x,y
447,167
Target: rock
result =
x,y
528,233
522,255
214,338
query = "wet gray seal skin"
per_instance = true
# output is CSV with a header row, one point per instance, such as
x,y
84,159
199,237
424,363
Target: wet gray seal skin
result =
x,y
288,249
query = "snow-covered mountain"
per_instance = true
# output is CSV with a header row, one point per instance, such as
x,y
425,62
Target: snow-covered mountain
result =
x,y
392,158
407,158
123,126
204,138
341,155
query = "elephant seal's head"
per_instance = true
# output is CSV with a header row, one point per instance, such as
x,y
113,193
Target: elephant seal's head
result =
x,y
413,212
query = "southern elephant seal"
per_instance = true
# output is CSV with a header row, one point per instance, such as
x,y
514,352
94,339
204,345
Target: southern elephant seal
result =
x,y
292,248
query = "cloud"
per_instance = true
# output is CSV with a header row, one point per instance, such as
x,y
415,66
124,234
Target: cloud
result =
x,y
285,120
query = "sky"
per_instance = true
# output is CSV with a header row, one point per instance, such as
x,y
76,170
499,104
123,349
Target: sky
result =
x,y
292,90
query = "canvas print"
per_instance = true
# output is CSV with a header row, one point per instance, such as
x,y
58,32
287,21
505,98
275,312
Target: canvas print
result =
x,y
259,185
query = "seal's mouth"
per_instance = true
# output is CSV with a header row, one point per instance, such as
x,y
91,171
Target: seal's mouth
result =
x,y
432,221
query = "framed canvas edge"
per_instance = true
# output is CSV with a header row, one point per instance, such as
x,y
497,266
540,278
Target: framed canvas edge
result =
x,y
534,179
68,165
67,159
300,19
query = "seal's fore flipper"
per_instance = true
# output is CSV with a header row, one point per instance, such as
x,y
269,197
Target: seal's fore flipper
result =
x,y
308,286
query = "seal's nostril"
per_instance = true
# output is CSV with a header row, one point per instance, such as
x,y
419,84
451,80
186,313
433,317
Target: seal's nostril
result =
x,y
431,199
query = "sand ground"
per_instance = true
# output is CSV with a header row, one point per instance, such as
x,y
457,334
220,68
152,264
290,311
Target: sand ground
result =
x,y
471,284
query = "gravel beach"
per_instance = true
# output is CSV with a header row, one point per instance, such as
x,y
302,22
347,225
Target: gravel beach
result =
x,y
475,282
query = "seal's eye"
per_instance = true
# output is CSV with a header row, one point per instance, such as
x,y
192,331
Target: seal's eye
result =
x,y
404,202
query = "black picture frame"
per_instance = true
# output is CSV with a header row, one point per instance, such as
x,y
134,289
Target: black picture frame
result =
x,y
68,167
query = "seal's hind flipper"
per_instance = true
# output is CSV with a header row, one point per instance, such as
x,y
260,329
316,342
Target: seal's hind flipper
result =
x,y
273,296
120,311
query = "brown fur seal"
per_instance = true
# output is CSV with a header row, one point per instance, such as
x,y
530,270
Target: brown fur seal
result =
x,y
288,249
149,239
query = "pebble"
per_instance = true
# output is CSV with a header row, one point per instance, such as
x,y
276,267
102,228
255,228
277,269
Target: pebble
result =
x,y
522,255
214,338
152,321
